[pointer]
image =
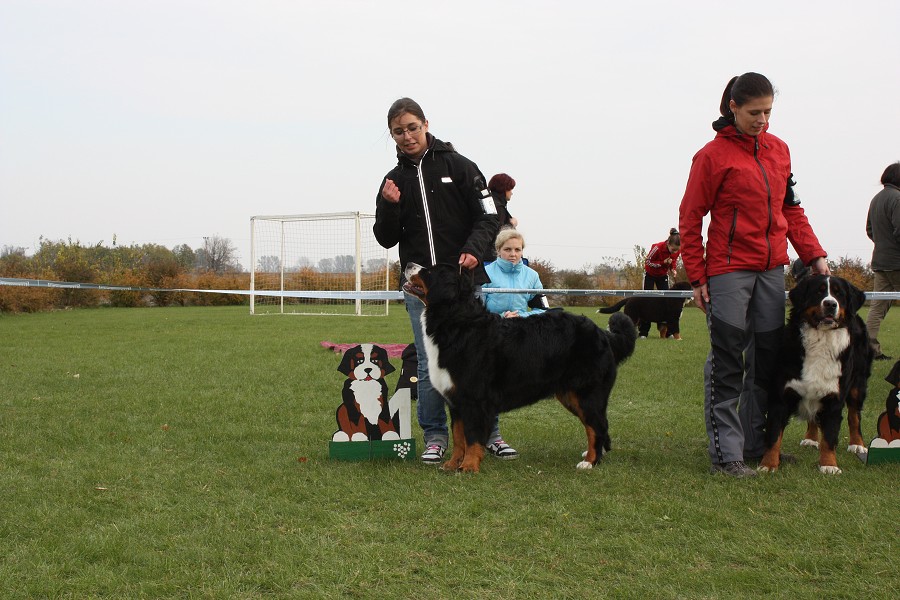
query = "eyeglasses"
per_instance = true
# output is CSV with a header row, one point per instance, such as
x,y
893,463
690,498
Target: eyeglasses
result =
x,y
411,129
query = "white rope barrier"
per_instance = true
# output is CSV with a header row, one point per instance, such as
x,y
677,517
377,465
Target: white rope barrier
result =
x,y
375,295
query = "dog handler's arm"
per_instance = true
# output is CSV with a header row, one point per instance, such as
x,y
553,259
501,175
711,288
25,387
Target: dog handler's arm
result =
x,y
701,296
820,266
468,261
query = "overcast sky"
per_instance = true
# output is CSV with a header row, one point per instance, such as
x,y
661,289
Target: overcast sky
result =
x,y
167,121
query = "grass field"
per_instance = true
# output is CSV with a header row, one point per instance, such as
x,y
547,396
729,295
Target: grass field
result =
x,y
183,453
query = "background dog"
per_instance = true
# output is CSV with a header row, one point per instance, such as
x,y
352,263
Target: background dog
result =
x,y
824,364
364,413
650,309
484,364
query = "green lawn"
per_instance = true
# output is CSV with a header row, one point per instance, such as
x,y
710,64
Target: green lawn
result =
x,y
183,453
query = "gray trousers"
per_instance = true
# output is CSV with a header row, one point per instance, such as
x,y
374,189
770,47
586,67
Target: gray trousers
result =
x,y
745,309
885,281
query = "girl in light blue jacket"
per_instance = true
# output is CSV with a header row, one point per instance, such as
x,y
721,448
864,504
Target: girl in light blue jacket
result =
x,y
508,271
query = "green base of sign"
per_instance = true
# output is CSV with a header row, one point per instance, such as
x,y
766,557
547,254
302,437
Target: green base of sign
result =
x,y
882,455
393,449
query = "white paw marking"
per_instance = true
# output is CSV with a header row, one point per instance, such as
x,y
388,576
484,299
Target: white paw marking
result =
x,y
359,437
830,470
766,469
340,436
390,435
856,449
806,442
584,466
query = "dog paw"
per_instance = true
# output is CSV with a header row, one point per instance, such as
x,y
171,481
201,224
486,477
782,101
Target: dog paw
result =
x,y
809,442
390,435
340,436
763,469
829,470
584,465
857,449
359,437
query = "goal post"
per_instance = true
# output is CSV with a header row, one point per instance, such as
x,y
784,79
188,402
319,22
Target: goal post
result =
x,y
329,253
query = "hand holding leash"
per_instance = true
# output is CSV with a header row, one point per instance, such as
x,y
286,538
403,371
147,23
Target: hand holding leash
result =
x,y
820,266
468,261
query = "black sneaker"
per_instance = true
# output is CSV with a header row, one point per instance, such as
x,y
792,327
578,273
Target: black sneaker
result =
x,y
501,449
433,454
735,468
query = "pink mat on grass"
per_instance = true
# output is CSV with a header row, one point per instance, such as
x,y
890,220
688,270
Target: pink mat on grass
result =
x,y
392,349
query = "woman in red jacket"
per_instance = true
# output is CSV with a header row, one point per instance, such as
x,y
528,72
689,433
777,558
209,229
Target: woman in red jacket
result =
x,y
661,260
742,180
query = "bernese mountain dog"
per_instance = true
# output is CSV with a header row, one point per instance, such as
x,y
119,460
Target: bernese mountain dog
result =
x,y
824,364
654,309
484,364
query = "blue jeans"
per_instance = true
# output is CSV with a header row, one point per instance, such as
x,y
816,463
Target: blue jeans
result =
x,y
430,409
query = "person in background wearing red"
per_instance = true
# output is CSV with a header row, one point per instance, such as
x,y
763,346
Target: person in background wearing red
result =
x,y
661,261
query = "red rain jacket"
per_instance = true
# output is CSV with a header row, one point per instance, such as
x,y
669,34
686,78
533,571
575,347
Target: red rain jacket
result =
x,y
742,183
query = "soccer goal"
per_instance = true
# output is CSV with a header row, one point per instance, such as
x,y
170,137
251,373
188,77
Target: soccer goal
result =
x,y
312,265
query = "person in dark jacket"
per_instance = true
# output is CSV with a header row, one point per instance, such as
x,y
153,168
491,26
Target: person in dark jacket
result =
x,y
742,179
883,228
436,206
501,186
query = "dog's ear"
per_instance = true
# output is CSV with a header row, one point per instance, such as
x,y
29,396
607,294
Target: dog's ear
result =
x,y
346,366
380,357
798,291
466,285
857,297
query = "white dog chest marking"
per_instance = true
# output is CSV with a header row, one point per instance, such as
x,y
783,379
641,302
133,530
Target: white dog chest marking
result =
x,y
440,378
821,368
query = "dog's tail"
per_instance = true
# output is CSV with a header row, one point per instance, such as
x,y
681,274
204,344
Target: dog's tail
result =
x,y
614,308
622,336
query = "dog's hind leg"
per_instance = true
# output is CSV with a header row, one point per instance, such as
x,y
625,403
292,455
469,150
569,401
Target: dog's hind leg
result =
x,y
595,424
854,408
459,443
811,438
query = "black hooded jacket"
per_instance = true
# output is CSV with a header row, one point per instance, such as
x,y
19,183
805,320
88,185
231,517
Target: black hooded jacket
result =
x,y
445,210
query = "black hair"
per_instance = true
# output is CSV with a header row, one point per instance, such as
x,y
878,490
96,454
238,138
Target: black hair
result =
x,y
891,175
742,89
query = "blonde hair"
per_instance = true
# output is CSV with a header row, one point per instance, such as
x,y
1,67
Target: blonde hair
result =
x,y
507,234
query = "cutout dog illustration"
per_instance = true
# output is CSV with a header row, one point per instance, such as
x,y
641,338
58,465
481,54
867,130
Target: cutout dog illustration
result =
x,y
824,364
889,420
365,413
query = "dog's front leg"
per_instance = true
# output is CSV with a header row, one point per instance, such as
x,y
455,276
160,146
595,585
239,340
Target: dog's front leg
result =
x,y
830,421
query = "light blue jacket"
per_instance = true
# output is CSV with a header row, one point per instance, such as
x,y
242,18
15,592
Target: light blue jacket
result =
x,y
504,274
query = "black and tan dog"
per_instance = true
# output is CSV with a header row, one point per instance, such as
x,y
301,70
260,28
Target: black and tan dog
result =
x,y
484,365
654,309
824,364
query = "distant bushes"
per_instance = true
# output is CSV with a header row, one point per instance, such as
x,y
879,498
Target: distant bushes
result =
x,y
146,266
154,266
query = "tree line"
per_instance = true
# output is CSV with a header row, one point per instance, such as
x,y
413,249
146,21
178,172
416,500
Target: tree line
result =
x,y
214,266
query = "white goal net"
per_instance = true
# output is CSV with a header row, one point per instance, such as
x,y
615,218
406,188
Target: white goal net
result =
x,y
327,255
